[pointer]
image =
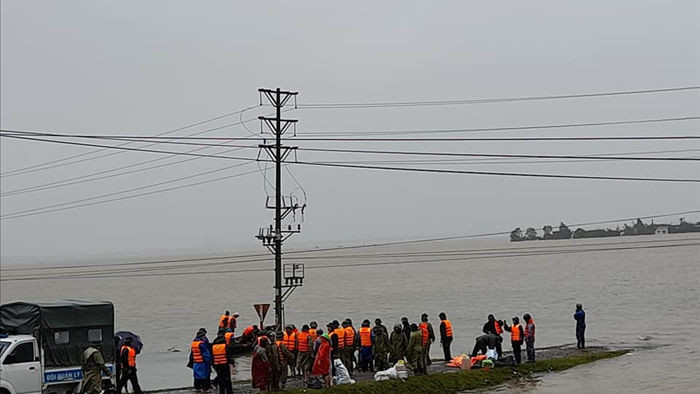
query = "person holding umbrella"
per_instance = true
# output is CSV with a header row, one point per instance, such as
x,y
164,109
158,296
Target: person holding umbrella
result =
x,y
127,360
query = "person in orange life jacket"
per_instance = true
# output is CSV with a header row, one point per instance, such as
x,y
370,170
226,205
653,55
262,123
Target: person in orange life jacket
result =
x,y
529,335
427,339
249,333
338,340
224,320
290,341
304,349
347,353
286,358
516,338
446,335
127,360
493,326
222,355
200,360
313,331
366,341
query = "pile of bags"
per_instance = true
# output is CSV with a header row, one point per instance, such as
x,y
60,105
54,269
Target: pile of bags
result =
x,y
398,371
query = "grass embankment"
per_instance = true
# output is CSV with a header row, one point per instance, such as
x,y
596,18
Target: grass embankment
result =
x,y
466,380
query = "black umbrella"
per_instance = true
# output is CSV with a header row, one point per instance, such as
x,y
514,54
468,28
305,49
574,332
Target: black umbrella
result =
x,y
136,340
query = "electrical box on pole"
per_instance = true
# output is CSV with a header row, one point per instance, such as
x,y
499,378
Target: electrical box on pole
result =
x,y
273,236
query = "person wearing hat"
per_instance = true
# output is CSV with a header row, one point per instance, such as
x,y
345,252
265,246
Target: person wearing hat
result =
x,y
517,336
273,355
223,356
127,360
366,357
304,359
201,359
427,339
580,317
414,352
347,352
378,323
322,360
397,345
93,364
381,348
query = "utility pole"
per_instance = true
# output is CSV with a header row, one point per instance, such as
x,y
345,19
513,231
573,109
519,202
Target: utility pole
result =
x,y
274,236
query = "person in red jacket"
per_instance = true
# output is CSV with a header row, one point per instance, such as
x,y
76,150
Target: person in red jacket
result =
x,y
322,362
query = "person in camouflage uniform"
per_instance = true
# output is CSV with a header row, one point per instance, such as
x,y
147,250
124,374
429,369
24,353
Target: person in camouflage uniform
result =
x,y
381,349
93,364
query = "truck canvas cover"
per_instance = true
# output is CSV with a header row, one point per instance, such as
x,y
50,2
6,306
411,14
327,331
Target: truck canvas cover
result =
x,y
63,328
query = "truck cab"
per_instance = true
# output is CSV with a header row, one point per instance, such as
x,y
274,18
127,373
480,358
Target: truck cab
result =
x,y
20,365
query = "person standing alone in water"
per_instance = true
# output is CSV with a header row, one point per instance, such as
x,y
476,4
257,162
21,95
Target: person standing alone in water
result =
x,y
580,317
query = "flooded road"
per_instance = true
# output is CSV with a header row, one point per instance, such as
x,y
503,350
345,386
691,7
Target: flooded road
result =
x,y
637,291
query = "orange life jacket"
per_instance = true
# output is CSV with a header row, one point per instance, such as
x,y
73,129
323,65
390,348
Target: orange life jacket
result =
x,y
248,330
349,336
425,334
196,353
303,338
497,327
290,341
527,332
515,333
223,321
228,336
132,355
340,333
365,337
279,349
219,351
448,328
313,334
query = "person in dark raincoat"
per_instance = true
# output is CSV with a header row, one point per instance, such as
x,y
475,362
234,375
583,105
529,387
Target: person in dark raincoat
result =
x,y
406,328
201,360
414,352
381,348
260,366
378,323
397,345
580,317
273,355
93,365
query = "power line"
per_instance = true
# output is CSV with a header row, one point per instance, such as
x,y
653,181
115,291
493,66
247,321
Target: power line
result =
x,y
488,100
466,254
349,265
508,128
69,205
315,134
499,173
499,155
66,160
367,246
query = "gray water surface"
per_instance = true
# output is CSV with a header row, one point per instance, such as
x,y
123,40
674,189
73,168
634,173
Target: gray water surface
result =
x,y
628,294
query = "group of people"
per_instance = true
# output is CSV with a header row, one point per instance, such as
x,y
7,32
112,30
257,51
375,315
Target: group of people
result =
x,y
93,366
313,350
519,334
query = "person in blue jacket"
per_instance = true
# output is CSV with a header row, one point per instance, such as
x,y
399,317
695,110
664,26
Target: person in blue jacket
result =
x,y
201,360
580,317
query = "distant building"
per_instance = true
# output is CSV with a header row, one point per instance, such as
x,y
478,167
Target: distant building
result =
x,y
661,230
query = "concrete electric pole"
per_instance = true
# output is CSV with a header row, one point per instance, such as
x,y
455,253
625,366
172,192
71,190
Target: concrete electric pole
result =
x,y
273,236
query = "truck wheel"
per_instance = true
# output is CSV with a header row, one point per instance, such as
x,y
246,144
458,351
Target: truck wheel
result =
x,y
4,391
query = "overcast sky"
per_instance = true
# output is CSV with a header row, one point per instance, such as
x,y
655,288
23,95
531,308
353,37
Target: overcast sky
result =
x,y
143,68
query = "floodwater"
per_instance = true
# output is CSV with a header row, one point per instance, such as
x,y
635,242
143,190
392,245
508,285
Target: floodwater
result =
x,y
637,291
